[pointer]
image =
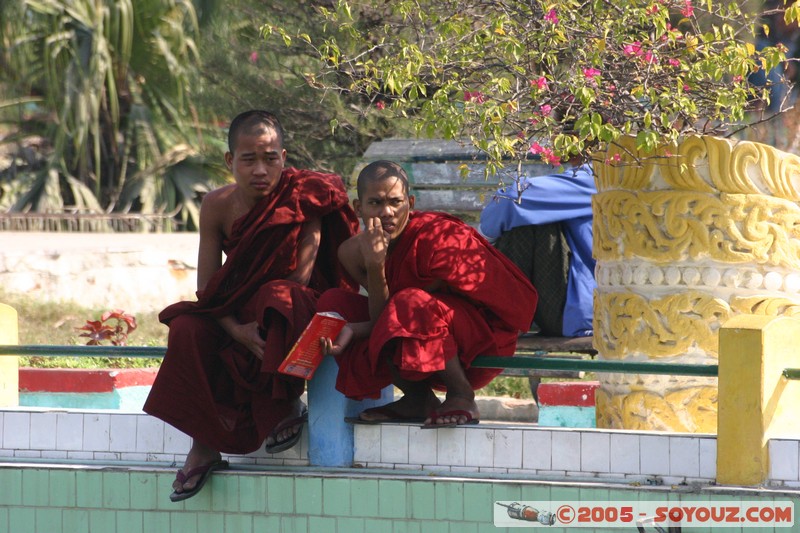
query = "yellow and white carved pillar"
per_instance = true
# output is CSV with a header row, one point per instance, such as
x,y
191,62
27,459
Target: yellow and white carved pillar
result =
x,y
685,240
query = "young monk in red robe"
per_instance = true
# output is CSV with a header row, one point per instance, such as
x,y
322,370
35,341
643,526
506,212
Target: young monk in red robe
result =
x,y
438,296
279,229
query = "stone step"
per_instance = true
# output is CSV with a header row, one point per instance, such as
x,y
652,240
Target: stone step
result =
x,y
488,448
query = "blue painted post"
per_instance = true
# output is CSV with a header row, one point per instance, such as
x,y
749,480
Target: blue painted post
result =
x,y
330,438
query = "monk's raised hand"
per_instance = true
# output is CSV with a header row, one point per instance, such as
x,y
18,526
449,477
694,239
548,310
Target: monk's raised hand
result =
x,y
374,242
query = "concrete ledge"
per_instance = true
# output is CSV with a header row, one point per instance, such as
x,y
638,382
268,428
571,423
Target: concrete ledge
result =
x,y
131,271
502,409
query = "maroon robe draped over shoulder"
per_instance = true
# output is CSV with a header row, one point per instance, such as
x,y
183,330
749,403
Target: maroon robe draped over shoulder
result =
x,y
485,303
213,388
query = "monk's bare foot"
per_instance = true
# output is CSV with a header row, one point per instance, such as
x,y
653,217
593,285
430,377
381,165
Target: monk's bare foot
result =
x,y
199,455
285,434
454,411
408,408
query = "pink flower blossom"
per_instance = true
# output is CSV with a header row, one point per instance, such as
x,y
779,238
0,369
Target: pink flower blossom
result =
x,y
652,10
551,16
688,9
616,158
633,49
551,158
546,154
674,62
686,88
737,78
591,73
545,109
667,153
380,105
540,83
650,57
253,57
474,96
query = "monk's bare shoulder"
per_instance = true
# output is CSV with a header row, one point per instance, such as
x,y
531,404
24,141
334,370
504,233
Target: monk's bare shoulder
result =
x,y
350,253
351,258
219,198
220,208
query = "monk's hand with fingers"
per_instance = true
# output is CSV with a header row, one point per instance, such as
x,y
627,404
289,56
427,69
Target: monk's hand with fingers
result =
x,y
250,337
373,246
373,242
331,347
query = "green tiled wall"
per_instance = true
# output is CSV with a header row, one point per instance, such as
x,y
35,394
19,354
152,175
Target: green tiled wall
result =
x,y
38,499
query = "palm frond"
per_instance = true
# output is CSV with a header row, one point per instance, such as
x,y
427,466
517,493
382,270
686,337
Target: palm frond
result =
x,y
114,78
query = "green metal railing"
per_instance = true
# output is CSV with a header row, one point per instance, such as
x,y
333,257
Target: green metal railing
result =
x,y
791,373
522,362
525,362
591,365
48,350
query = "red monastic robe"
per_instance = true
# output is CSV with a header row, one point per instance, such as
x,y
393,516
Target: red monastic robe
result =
x,y
486,303
211,387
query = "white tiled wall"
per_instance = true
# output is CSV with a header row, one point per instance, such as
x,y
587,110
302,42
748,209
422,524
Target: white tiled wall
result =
x,y
108,436
566,454
784,462
480,449
507,447
537,450
596,452
684,456
31,433
654,455
551,452
625,458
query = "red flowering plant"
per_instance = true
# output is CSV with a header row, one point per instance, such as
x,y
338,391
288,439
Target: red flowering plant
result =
x,y
543,78
114,326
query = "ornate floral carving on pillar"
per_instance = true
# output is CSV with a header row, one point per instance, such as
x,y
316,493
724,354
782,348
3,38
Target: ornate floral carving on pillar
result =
x,y
684,240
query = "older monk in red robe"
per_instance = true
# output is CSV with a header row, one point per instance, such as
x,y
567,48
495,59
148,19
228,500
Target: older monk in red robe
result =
x,y
438,296
279,229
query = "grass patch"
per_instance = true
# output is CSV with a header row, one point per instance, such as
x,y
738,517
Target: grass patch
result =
x,y
507,386
56,323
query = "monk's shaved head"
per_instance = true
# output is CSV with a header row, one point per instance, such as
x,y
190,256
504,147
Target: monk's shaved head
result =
x,y
253,122
379,171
